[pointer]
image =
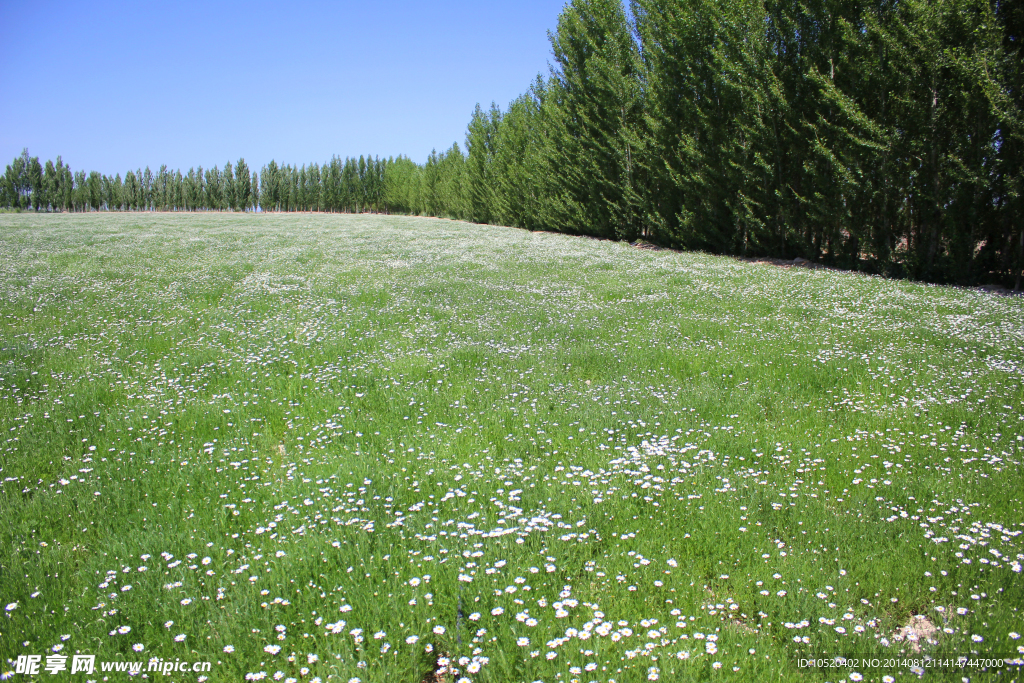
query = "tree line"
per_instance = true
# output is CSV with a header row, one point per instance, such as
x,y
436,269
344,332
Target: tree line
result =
x,y
351,185
879,135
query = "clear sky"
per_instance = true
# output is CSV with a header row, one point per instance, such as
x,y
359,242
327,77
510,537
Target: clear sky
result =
x,y
119,85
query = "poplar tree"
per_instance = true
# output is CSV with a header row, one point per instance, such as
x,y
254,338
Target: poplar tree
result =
x,y
50,185
214,193
349,185
314,193
80,200
19,187
254,191
596,118
481,177
35,182
244,186
94,184
229,200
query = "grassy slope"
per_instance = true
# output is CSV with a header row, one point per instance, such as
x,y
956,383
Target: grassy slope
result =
x,y
664,432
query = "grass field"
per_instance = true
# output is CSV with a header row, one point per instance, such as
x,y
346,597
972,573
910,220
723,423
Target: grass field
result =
x,y
372,448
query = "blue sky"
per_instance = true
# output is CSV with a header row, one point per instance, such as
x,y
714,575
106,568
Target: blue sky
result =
x,y
117,85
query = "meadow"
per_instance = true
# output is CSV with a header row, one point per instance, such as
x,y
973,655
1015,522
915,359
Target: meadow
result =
x,y
367,448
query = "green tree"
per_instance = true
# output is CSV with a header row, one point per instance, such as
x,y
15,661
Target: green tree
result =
x,y
481,177
254,196
80,192
270,189
35,182
94,190
19,188
51,181
595,122
244,186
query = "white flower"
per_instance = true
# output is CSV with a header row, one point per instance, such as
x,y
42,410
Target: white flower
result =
x,y
229,648
439,630
179,638
138,647
11,606
411,640
523,642
497,611
272,649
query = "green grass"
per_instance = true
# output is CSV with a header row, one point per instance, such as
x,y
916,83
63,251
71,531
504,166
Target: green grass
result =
x,y
291,421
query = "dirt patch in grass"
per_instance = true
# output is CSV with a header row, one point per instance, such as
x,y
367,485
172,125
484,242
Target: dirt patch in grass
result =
x,y
918,630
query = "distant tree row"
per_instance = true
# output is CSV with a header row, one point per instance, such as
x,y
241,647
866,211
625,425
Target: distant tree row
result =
x,y
876,135
351,185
